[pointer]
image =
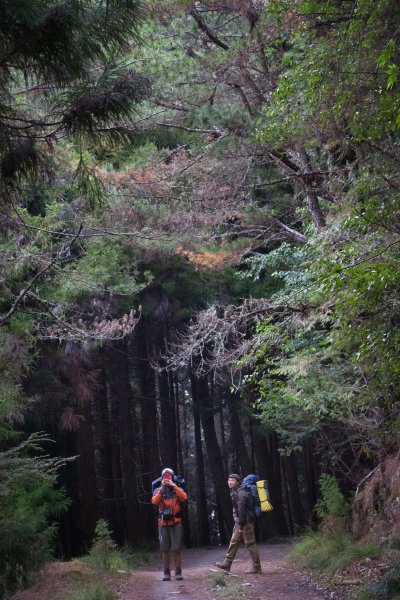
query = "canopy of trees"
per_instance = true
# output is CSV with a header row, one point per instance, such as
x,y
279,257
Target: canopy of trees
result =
x,y
199,250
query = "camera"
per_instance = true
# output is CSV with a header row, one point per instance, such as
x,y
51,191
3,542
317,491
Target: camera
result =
x,y
166,514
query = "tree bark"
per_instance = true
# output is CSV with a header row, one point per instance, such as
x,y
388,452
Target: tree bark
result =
x,y
294,495
88,513
268,467
242,462
202,521
149,447
202,396
102,447
169,449
120,394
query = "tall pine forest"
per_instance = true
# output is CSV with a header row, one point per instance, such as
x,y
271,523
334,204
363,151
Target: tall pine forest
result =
x,y
199,266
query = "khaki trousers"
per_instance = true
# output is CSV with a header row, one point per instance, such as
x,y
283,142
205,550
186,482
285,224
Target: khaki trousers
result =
x,y
248,536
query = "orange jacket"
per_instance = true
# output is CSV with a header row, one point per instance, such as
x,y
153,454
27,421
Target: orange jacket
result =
x,y
169,503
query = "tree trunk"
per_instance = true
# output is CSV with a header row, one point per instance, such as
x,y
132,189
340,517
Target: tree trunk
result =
x,y
202,521
126,415
241,463
102,447
315,210
268,467
294,495
169,449
120,395
149,447
175,386
88,513
202,396
312,198
312,475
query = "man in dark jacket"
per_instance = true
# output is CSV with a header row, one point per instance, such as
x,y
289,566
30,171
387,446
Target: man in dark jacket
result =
x,y
244,529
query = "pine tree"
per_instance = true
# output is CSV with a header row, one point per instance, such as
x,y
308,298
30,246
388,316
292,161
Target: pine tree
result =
x,y
62,76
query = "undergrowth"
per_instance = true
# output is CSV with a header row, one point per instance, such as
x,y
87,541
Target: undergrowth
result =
x,y
386,587
116,559
104,554
225,586
322,553
93,593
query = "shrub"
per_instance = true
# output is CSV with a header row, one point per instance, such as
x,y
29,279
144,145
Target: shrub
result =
x,y
103,547
28,501
332,502
105,555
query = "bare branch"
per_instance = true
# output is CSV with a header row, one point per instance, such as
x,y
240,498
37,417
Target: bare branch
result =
x,y
204,27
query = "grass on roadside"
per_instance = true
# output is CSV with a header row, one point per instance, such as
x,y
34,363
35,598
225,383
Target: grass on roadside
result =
x,y
386,587
323,553
105,555
225,586
114,559
93,593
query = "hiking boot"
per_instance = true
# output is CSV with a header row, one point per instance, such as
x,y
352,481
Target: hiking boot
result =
x,y
178,573
167,575
254,570
225,565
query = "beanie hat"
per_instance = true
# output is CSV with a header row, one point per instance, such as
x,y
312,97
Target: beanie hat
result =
x,y
235,476
167,470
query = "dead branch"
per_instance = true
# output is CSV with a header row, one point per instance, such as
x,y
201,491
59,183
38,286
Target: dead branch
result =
x,y
204,27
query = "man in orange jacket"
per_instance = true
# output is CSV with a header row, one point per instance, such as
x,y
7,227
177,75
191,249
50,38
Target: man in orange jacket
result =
x,y
169,498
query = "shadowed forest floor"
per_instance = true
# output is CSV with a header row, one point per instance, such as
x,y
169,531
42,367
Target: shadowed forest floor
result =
x,y
277,582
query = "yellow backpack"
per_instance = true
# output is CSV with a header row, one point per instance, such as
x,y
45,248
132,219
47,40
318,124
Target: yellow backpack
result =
x,y
263,494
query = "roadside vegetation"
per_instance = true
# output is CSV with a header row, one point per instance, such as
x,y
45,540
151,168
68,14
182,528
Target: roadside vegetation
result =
x,y
226,587
332,554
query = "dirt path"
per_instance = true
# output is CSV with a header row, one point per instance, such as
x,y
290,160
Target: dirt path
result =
x,y
277,582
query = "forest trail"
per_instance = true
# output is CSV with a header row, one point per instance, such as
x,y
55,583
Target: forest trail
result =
x,y
277,582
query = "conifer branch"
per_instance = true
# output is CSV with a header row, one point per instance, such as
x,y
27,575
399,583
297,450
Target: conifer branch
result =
x,y
38,275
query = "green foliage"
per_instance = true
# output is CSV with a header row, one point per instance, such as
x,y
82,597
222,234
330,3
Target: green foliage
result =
x,y
71,51
224,586
103,548
323,553
105,556
287,267
341,53
29,500
387,587
365,282
93,593
297,381
103,269
332,501
15,361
